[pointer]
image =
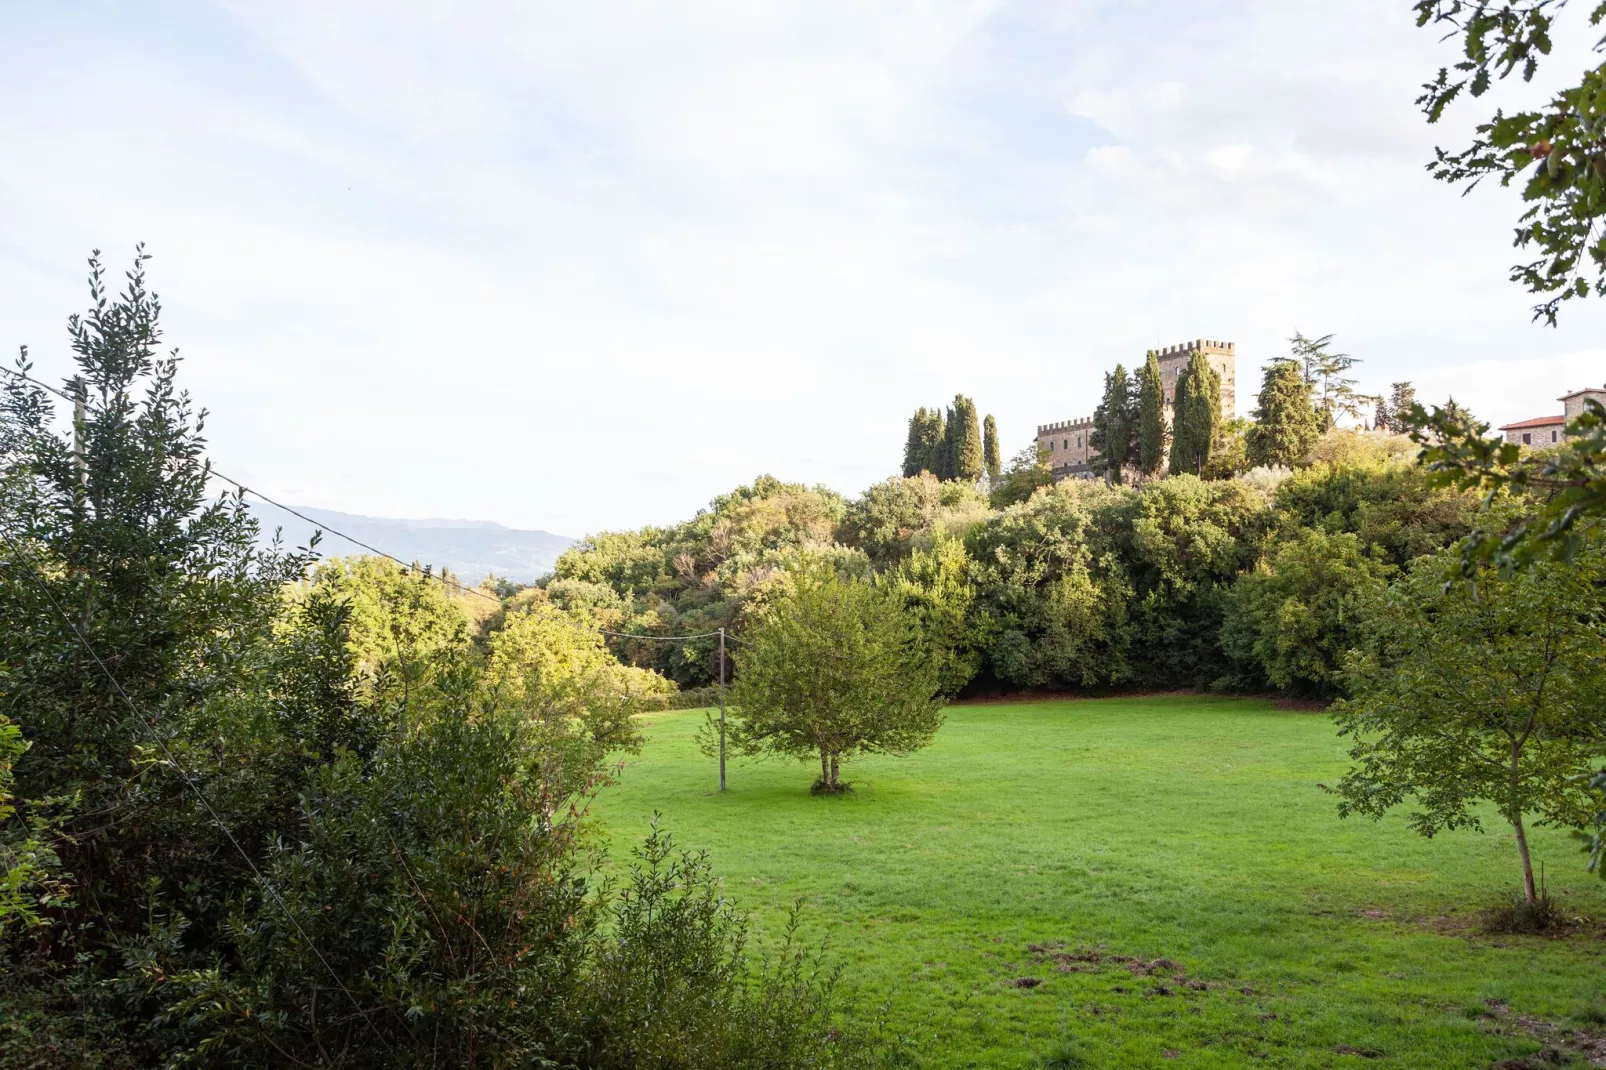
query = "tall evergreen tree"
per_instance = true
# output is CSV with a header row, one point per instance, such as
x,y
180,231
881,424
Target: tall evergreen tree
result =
x,y
924,442
1196,411
964,442
1114,433
1286,424
913,449
924,448
1151,416
938,456
944,464
989,449
1398,406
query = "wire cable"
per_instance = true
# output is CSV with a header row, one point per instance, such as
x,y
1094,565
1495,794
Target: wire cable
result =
x,y
633,635
184,774
320,526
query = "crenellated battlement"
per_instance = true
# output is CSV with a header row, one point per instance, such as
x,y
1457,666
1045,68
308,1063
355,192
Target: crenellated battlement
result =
x,y
1207,344
1084,424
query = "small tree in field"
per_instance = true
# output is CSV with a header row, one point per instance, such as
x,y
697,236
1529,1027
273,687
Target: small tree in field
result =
x,y
832,669
1480,693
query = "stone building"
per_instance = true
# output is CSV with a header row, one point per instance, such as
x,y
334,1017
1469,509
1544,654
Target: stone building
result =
x,y
1067,441
1068,445
1543,431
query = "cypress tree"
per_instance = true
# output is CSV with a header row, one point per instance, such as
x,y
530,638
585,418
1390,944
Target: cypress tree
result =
x,y
1286,423
1114,432
964,441
937,452
942,454
914,446
1196,411
989,449
925,448
1151,416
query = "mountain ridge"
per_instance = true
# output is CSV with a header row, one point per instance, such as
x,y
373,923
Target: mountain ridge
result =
x,y
472,549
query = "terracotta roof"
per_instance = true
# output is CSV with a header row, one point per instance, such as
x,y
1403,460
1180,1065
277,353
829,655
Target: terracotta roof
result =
x,y
1537,421
1585,390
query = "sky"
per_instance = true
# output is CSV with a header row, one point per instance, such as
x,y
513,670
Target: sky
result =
x,y
586,266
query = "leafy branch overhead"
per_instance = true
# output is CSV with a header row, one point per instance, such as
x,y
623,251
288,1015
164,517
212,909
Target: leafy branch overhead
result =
x,y
1558,152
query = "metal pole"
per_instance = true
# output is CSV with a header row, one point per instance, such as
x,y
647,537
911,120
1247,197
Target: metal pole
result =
x,y
722,709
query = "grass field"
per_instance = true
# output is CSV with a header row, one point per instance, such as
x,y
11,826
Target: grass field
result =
x,y
1177,827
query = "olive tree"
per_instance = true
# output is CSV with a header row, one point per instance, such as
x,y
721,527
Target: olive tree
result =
x,y
832,668
1480,693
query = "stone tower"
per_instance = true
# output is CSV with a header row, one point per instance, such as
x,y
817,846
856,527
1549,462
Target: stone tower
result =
x,y
1220,355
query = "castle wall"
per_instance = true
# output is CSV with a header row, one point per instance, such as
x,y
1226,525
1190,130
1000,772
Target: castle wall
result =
x,y
1068,446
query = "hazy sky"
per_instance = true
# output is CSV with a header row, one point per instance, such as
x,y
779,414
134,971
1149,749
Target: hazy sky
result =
x,y
576,266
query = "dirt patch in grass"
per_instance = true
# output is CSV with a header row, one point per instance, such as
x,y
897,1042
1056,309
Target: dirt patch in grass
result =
x,y
1489,925
1560,1041
1172,978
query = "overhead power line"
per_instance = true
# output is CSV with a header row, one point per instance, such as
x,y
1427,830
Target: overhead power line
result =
x,y
320,526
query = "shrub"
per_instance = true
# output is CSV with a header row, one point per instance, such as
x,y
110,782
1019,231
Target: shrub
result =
x,y
1292,620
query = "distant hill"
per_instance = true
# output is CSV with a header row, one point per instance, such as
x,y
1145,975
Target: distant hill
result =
x,y
470,548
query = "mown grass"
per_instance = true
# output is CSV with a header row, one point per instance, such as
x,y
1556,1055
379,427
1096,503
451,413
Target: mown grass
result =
x,y
1182,827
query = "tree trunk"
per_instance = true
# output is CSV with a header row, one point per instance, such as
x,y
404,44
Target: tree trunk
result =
x,y
1514,814
825,769
1528,891
836,776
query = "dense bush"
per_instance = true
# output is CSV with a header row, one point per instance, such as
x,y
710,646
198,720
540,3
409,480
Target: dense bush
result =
x,y
888,519
1393,509
1050,580
1184,542
1291,622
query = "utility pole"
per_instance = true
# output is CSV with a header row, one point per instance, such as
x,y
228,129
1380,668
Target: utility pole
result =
x,y
722,709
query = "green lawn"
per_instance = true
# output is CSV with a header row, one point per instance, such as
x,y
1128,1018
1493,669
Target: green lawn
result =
x,y
1182,827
